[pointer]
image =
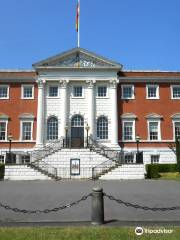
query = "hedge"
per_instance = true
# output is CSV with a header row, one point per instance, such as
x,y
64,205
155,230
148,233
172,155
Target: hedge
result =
x,y
2,168
153,170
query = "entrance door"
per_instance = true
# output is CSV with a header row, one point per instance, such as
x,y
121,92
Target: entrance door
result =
x,y
77,132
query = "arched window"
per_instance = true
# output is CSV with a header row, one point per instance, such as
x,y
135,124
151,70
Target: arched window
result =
x,y
52,128
77,121
102,128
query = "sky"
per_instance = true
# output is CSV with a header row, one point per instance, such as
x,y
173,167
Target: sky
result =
x,y
139,34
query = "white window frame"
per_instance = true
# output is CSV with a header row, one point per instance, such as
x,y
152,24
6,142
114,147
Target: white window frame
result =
x,y
157,91
22,91
48,89
122,91
159,129
158,158
21,130
173,86
4,121
133,129
7,86
174,122
78,85
107,91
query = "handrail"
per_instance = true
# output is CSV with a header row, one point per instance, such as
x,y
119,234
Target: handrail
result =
x,y
49,149
104,167
114,155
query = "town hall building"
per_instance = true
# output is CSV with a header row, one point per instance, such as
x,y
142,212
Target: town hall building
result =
x,y
84,107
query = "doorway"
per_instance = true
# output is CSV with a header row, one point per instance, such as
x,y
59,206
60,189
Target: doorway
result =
x,y
77,132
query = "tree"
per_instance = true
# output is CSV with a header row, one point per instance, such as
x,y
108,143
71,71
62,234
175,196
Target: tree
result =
x,y
178,153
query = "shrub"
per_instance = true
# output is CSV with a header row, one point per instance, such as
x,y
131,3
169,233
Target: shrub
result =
x,y
2,168
167,168
152,171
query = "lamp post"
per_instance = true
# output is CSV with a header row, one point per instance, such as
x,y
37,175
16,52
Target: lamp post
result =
x,y
66,130
87,130
10,137
137,142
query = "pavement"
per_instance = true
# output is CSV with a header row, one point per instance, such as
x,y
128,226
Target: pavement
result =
x,y
33,195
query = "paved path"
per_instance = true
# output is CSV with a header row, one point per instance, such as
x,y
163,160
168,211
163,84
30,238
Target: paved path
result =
x,y
49,194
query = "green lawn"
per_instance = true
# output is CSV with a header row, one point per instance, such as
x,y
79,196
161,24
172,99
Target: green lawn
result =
x,y
83,233
170,176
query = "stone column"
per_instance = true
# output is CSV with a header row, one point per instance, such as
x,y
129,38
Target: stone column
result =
x,y
114,115
91,106
64,107
40,114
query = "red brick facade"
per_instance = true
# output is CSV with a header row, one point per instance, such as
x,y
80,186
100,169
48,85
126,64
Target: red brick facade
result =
x,y
15,106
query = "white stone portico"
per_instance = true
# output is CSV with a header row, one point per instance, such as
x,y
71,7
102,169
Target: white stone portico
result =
x,y
77,68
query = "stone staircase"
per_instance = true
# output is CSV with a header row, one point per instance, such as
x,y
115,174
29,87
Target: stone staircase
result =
x,y
96,162
127,171
23,172
61,161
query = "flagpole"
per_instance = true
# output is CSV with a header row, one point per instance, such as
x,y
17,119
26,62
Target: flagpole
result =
x,y
79,25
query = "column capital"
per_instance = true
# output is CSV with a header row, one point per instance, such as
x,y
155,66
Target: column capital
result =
x,y
64,82
91,82
114,82
41,82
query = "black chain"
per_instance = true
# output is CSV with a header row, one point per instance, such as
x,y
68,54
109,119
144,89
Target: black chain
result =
x,y
84,198
146,208
56,209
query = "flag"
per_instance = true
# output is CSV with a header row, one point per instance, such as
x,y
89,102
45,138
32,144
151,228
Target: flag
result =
x,y
77,16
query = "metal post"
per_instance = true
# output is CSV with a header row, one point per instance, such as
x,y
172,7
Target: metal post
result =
x,y
87,138
97,214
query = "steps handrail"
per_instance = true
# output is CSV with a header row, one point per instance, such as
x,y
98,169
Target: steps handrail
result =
x,y
39,154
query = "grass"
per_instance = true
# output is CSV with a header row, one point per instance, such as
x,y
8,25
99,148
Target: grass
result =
x,y
83,233
170,176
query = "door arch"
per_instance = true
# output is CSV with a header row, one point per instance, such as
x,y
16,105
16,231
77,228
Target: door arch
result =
x,y
77,131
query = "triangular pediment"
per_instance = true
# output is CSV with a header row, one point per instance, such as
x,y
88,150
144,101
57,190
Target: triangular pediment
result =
x,y
77,58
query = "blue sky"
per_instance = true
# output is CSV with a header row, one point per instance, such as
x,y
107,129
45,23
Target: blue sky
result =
x,y
140,34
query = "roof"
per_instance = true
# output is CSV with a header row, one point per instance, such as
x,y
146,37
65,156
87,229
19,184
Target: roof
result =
x,y
77,58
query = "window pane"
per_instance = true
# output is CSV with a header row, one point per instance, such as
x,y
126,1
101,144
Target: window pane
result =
x,y
176,92
152,92
102,128
129,158
2,131
78,91
153,130
53,91
26,131
127,92
177,129
102,91
2,158
52,128
77,121
155,158
3,92
25,159
128,131
28,92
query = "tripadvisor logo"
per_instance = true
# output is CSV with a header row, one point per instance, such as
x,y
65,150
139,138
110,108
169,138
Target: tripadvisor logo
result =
x,y
139,231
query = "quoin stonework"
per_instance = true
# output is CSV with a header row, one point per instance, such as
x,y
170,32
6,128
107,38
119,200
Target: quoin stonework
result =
x,y
79,98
